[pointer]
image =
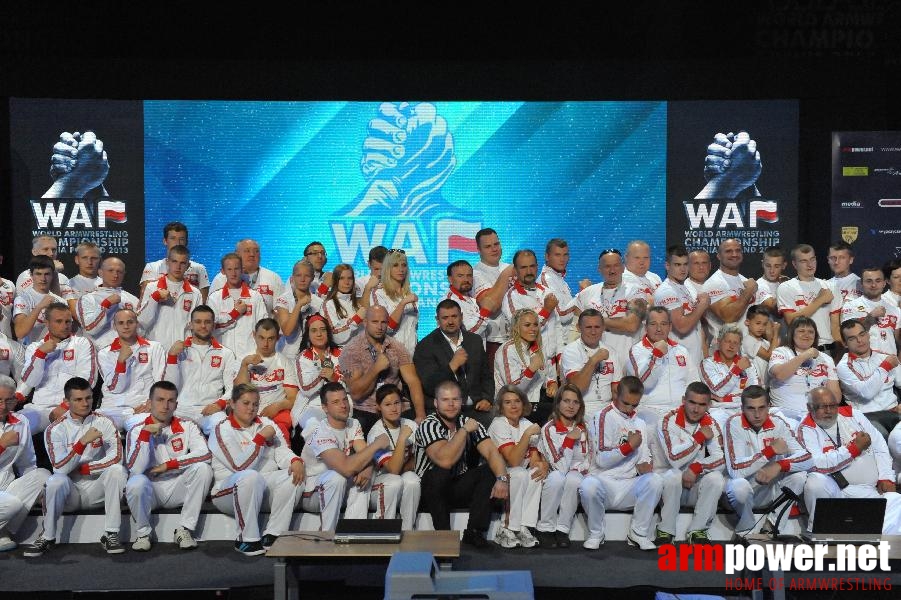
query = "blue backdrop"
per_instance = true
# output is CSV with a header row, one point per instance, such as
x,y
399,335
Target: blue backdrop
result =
x,y
419,176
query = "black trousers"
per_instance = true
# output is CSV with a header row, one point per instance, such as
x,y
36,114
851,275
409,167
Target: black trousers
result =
x,y
442,491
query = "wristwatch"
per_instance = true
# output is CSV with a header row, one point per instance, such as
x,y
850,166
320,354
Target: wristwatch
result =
x,y
504,478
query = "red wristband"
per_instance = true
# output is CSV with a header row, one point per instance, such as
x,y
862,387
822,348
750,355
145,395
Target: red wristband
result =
x,y
699,437
156,295
392,323
105,303
543,313
234,314
626,448
768,452
40,354
78,448
172,464
357,319
568,442
221,403
785,465
85,469
853,449
695,468
259,440
144,436
120,366
886,366
172,359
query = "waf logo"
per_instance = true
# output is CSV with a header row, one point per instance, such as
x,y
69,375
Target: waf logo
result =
x,y
73,214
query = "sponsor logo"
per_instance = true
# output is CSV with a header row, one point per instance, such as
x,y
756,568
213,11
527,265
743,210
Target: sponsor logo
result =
x,y
889,171
857,148
849,234
852,204
890,202
855,171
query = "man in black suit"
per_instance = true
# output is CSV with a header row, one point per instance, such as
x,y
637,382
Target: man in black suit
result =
x,y
452,353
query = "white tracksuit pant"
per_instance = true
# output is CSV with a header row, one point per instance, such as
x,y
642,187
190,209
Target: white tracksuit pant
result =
x,y
387,489
188,490
64,494
244,493
326,492
745,494
641,493
559,501
820,485
18,498
704,496
522,504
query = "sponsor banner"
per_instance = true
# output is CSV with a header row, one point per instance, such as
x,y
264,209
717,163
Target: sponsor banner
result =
x,y
733,173
866,194
78,176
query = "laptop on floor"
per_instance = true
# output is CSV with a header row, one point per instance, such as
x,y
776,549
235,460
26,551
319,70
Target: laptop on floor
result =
x,y
847,521
368,531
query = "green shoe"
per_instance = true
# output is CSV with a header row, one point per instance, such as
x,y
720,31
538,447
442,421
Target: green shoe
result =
x,y
698,536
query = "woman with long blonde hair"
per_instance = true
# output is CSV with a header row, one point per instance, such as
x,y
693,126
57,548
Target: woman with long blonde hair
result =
x,y
520,361
393,293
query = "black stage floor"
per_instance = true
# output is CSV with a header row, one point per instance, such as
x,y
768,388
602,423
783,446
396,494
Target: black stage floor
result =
x,y
215,570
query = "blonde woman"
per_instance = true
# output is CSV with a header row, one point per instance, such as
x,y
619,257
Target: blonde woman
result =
x,y
394,295
294,307
342,308
521,362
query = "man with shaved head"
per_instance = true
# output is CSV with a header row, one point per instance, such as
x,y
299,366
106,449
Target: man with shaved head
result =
x,y
96,310
373,359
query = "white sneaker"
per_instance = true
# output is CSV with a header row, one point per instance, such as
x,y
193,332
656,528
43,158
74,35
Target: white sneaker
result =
x,y
7,543
184,539
506,538
643,543
593,543
142,544
526,539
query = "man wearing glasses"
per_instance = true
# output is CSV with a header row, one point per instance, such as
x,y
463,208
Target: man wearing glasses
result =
x,y
850,458
322,281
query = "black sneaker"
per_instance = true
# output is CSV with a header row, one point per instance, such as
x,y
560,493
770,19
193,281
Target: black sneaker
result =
x,y
39,547
250,548
475,539
562,539
662,537
546,539
268,540
110,543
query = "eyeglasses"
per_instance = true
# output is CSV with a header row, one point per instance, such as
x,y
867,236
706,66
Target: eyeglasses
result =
x,y
315,253
611,251
393,250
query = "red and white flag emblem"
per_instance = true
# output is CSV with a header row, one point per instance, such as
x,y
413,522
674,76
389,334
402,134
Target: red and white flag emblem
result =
x,y
763,210
110,211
